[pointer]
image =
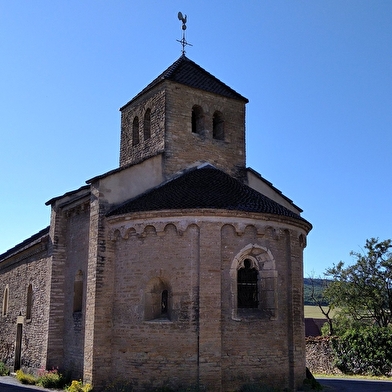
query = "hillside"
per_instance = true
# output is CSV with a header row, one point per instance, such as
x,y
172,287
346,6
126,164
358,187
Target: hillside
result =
x,y
319,285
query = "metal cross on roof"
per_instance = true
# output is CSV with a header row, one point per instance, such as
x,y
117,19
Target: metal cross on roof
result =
x,y
183,41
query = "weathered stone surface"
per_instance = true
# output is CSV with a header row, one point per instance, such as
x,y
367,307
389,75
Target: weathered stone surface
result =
x,y
152,296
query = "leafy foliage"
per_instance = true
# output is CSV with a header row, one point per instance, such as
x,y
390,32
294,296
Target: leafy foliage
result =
x,y
314,290
363,291
365,350
50,379
78,386
4,371
25,378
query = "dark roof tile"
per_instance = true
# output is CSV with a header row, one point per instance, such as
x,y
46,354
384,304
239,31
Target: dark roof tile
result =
x,y
203,188
187,72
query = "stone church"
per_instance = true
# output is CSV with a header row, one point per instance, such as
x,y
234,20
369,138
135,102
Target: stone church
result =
x,y
180,267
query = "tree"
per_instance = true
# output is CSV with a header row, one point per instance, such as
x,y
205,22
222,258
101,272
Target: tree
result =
x,y
363,291
318,288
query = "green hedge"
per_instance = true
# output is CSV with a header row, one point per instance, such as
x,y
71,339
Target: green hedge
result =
x,y
367,350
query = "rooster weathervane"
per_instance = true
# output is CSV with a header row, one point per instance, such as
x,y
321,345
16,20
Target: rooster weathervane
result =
x,y
183,41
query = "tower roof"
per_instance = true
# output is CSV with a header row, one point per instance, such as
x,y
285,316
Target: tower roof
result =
x,y
203,188
187,72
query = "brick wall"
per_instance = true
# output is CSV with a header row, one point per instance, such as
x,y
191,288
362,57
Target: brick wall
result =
x,y
202,341
156,102
171,130
17,273
70,231
182,147
77,245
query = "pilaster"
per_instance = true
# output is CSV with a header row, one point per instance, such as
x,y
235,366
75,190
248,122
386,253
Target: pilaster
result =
x,y
210,333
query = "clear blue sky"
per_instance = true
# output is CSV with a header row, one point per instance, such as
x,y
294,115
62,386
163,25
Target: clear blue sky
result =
x,y
318,75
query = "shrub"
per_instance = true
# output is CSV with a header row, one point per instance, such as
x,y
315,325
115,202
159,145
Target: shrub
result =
x,y
366,350
4,371
50,379
78,386
25,378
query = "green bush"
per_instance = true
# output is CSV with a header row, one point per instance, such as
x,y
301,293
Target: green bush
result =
x,y
366,350
50,379
78,386
25,378
4,371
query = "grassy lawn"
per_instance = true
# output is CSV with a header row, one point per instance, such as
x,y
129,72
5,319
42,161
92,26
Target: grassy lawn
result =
x,y
313,312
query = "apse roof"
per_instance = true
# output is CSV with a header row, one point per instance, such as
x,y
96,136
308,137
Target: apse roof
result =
x,y
203,188
187,72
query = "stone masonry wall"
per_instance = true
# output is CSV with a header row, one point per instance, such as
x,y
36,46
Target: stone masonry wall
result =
x,y
152,351
320,357
182,147
99,296
268,347
171,130
201,340
17,277
129,153
77,245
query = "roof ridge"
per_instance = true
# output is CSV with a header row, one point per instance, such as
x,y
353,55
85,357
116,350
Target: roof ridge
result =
x,y
202,79
203,187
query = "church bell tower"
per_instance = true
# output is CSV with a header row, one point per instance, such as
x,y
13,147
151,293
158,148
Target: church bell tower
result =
x,y
190,117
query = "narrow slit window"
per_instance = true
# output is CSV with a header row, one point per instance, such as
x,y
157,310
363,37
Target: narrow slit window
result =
x,y
147,124
5,301
29,302
78,292
135,131
164,302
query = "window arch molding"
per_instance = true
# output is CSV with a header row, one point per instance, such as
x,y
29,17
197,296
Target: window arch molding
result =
x,y
261,260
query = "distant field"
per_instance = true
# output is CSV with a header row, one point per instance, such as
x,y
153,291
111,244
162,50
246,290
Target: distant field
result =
x,y
313,312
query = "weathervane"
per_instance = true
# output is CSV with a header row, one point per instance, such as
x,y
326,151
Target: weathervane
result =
x,y
183,41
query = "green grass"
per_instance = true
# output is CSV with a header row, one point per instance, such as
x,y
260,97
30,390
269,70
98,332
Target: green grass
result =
x,y
314,312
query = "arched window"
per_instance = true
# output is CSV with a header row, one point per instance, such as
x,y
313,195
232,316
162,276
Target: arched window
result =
x,y
135,131
197,119
147,124
157,301
78,292
253,283
247,286
5,301
218,129
29,302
